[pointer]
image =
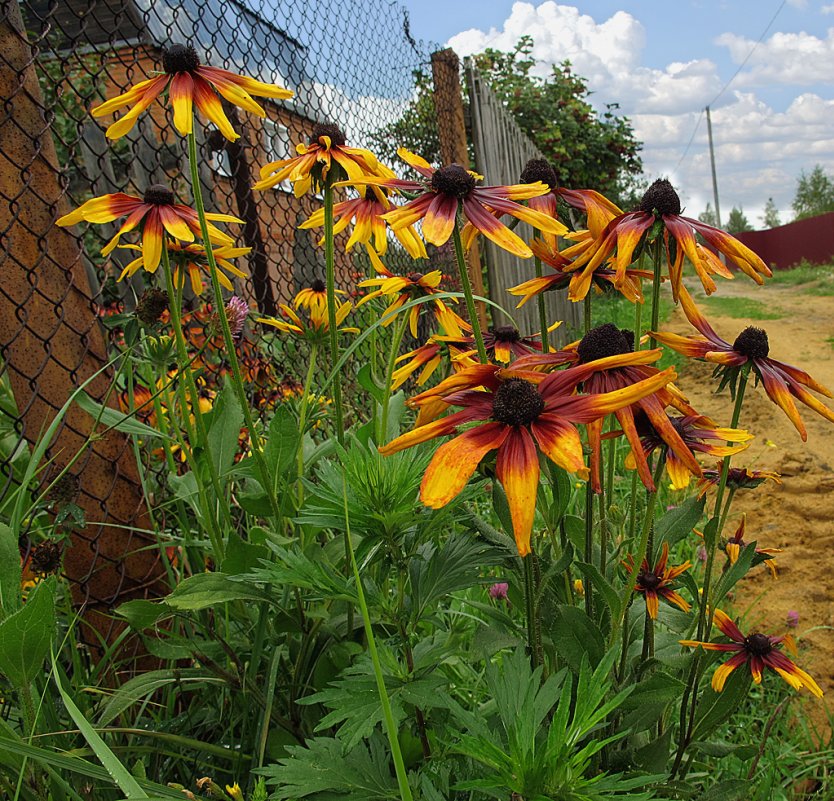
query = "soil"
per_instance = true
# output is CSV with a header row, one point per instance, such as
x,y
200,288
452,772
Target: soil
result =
x,y
798,515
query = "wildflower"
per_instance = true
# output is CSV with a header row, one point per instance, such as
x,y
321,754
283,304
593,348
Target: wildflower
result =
x,y
193,259
519,417
235,792
505,342
237,312
792,620
661,205
442,192
314,298
758,651
782,382
736,543
430,356
737,478
369,229
696,431
498,591
406,288
190,83
155,214
701,553
656,581
45,559
325,159
313,329
151,306
578,282
579,587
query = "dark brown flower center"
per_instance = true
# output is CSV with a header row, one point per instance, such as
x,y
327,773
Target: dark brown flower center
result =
x,y
65,489
180,58
539,170
337,137
159,195
506,333
662,198
453,180
46,557
517,403
758,644
151,306
415,278
605,340
752,342
649,580
318,285
682,426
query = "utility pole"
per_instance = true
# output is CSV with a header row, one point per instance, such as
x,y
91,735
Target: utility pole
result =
x,y
714,178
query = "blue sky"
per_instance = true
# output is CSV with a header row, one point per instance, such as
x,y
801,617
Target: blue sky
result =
x,y
663,61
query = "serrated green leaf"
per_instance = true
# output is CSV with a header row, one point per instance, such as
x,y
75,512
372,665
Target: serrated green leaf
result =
x,y
207,590
224,431
26,636
10,573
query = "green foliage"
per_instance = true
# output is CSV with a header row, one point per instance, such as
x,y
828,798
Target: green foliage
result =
x,y
737,222
26,636
814,193
709,216
770,217
742,308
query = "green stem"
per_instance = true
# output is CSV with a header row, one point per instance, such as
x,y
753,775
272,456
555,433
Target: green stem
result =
x,y
399,333
657,256
330,266
589,543
542,308
228,339
302,422
530,607
587,308
466,286
388,717
704,614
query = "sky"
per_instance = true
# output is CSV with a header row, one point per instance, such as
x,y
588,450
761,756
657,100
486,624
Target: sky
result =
x,y
663,62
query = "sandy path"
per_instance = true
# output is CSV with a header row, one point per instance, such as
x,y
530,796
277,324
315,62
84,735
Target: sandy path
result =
x,y
797,516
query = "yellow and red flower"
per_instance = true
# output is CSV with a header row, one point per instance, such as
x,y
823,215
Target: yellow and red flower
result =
x,y
661,204
326,158
520,415
505,342
655,582
369,228
782,382
756,650
444,191
697,433
314,298
313,329
428,357
157,217
189,84
408,287
736,543
737,478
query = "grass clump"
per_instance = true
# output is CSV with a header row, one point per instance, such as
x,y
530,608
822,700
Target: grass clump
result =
x,y
818,278
742,308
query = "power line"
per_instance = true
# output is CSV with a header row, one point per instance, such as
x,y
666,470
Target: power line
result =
x,y
732,78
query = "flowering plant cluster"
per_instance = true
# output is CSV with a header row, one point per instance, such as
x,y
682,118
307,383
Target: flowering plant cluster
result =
x,y
463,587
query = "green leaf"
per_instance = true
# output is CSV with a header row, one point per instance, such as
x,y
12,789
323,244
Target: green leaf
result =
x,y
141,614
282,441
224,432
366,381
734,573
120,774
9,572
26,636
323,767
602,584
242,556
714,708
728,790
678,523
501,507
575,636
113,418
206,590
562,489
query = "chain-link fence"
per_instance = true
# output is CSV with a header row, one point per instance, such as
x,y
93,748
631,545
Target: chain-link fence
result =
x,y
350,62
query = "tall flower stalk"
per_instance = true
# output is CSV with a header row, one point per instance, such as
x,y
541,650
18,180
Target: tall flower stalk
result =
x,y
330,281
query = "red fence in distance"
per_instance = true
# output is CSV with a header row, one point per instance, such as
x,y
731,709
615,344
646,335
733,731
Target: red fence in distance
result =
x,y
809,240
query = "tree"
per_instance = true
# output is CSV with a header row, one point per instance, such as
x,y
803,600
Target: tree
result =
x,y
587,149
737,222
814,193
708,216
770,218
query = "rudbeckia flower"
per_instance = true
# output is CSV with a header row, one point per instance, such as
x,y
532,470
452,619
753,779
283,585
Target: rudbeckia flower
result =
x,y
782,382
612,364
369,228
408,287
758,651
189,83
445,190
735,544
520,417
661,204
314,298
155,215
193,260
427,358
698,433
655,582
737,478
505,342
313,329
578,282
325,158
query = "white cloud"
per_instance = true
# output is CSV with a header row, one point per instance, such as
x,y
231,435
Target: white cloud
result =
x,y
760,151
829,9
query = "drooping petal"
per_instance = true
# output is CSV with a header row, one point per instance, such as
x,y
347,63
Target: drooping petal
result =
x,y
181,95
727,626
517,468
210,107
560,442
722,672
